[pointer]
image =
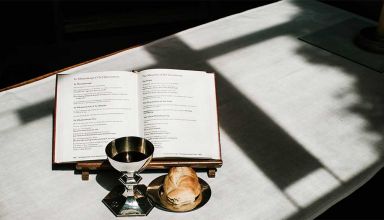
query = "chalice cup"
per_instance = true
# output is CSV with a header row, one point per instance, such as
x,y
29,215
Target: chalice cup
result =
x,y
130,156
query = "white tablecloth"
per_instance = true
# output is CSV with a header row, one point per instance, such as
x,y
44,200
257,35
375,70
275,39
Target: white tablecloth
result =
x,y
300,128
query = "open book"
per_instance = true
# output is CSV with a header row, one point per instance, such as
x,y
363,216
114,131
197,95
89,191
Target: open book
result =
x,y
175,109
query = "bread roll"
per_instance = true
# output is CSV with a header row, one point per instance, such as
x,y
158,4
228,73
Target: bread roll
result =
x,y
181,186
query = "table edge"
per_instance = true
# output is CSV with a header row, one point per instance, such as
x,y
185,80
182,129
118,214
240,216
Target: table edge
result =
x,y
64,69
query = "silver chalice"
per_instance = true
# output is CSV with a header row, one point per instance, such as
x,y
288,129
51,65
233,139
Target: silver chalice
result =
x,y
130,156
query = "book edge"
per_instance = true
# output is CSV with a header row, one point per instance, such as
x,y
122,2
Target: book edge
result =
x,y
54,151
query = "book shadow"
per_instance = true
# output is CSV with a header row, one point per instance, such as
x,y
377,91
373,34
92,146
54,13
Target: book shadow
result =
x,y
64,166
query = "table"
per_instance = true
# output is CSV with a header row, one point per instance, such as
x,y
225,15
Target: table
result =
x,y
301,128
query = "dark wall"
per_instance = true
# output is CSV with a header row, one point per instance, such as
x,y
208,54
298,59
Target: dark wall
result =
x,y
366,8
40,37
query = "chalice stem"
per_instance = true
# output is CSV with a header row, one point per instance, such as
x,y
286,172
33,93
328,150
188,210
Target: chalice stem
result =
x,y
129,180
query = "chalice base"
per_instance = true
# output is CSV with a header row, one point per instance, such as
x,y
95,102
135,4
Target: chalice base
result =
x,y
122,205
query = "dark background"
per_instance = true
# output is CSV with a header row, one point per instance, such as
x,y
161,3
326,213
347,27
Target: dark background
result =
x,y
39,37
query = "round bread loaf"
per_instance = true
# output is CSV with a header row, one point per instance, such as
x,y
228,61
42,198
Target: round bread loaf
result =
x,y
181,186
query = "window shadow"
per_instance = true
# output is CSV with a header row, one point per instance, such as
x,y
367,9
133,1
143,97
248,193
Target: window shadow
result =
x,y
36,111
258,136
318,207
368,88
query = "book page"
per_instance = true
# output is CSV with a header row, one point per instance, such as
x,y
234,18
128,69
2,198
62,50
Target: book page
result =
x,y
93,109
179,113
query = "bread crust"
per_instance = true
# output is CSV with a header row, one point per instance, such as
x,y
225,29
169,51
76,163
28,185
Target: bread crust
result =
x,y
181,186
